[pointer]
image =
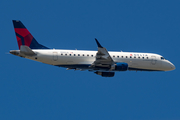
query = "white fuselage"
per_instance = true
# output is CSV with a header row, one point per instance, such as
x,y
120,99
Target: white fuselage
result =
x,y
101,62
82,59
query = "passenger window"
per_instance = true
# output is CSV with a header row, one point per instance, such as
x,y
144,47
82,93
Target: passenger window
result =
x,y
69,54
91,55
113,56
142,57
147,57
78,54
74,54
65,54
130,57
61,54
83,54
139,57
126,57
122,56
87,55
134,57
118,56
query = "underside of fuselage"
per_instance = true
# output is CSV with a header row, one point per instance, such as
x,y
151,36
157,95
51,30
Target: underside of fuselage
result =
x,y
102,69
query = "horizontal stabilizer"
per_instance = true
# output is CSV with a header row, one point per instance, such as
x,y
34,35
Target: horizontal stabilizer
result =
x,y
26,50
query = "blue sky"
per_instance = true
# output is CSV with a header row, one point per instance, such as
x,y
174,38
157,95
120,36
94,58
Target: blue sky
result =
x,y
32,90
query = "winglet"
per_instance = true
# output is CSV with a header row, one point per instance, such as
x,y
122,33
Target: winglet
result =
x,y
99,45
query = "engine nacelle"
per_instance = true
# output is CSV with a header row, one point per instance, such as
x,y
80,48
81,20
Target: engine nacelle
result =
x,y
120,66
105,74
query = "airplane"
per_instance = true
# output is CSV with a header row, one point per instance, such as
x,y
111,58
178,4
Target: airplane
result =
x,y
101,62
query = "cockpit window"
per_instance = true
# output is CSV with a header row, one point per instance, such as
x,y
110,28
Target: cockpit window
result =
x,y
162,58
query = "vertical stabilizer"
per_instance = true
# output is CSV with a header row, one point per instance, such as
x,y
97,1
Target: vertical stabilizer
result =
x,y
24,37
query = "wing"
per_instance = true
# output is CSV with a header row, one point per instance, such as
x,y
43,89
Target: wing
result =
x,y
103,59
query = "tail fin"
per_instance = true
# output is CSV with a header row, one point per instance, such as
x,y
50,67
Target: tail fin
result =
x,y
24,37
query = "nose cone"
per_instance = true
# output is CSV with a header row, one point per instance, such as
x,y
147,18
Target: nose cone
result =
x,y
172,66
168,66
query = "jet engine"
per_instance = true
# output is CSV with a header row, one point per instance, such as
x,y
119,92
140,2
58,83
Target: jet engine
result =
x,y
105,74
119,66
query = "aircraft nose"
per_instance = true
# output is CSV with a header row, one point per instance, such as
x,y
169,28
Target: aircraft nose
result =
x,y
172,66
168,66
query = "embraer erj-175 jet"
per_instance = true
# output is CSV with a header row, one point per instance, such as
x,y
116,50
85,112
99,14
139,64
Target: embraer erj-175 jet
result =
x,y
101,62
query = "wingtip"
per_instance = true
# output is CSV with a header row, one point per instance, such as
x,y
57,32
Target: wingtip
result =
x,y
99,45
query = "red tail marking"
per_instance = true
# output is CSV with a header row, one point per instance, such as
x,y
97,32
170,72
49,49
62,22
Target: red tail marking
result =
x,y
22,31
19,41
28,40
25,34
